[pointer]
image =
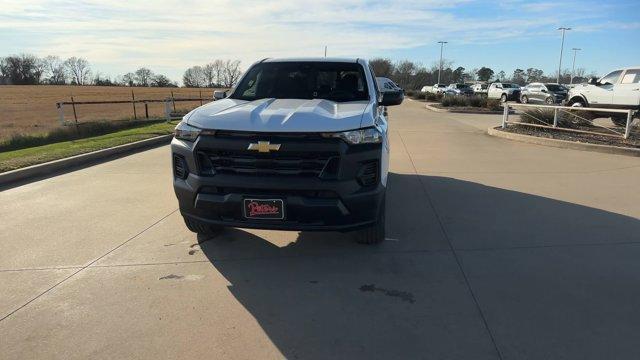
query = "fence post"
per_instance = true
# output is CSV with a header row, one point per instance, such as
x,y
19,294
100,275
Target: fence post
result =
x,y
167,109
173,101
75,116
505,115
60,107
555,117
627,130
133,102
146,110
200,97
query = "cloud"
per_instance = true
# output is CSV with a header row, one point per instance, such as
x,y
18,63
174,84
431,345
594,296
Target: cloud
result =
x,y
170,35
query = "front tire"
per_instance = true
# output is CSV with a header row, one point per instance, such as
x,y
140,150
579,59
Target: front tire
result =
x,y
503,98
202,228
549,101
524,99
375,233
619,120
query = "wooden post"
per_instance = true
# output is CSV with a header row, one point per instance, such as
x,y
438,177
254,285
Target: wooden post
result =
x,y
60,107
173,101
167,109
133,102
200,97
146,110
75,115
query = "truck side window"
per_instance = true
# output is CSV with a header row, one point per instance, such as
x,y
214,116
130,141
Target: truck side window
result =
x,y
631,77
612,78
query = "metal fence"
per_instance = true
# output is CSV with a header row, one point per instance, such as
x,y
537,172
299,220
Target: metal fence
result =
x,y
579,113
169,107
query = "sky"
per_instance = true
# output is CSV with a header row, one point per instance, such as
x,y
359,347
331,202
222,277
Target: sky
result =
x,y
169,36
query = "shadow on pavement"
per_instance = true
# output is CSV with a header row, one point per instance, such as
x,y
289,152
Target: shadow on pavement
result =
x,y
323,296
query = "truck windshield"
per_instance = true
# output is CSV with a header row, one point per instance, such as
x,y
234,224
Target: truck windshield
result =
x,y
335,81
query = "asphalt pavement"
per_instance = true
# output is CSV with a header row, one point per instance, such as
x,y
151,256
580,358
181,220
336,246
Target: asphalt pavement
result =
x,y
495,250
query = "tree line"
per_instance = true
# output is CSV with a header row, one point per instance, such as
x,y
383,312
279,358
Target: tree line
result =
x,y
28,69
413,76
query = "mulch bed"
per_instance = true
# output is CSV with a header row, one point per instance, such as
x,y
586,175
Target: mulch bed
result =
x,y
632,142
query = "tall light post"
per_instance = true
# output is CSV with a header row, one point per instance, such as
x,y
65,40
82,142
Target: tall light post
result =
x,y
573,68
564,29
441,47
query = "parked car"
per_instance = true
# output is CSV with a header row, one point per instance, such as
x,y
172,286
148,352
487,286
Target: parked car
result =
x,y
504,91
298,144
620,89
459,89
543,94
393,92
480,88
434,89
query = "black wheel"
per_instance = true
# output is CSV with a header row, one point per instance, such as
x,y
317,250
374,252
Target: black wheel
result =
x,y
620,120
503,98
373,234
201,228
577,103
549,101
524,99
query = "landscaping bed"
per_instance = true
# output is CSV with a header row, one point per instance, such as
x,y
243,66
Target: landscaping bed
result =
x,y
558,134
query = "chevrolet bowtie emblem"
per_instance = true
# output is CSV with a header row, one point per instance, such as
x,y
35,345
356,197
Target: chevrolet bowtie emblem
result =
x,y
264,146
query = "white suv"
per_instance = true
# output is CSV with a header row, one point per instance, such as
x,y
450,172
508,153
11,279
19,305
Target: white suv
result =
x,y
620,89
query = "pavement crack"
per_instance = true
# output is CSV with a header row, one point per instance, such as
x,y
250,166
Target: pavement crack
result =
x,y
86,266
453,251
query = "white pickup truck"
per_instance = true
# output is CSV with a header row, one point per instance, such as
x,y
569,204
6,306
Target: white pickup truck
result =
x,y
620,89
298,144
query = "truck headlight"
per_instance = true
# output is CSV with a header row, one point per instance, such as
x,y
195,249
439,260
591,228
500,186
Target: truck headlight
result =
x,y
363,136
186,132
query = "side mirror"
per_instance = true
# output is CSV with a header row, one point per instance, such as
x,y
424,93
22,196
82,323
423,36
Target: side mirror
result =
x,y
593,81
391,98
219,94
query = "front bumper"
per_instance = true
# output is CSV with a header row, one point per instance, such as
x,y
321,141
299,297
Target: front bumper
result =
x,y
310,203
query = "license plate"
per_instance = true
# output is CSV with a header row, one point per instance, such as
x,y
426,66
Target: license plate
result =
x,y
263,209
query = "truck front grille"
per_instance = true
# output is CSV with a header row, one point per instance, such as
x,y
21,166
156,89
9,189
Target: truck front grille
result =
x,y
305,164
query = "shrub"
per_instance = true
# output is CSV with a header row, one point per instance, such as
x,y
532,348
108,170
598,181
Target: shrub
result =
x,y
566,119
419,96
448,101
494,104
433,97
410,93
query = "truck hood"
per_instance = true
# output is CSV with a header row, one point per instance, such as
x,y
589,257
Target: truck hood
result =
x,y
279,115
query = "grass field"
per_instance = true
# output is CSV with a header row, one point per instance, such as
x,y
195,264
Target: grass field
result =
x,y
29,109
11,160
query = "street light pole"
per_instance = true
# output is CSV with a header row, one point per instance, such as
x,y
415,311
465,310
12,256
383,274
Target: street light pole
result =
x,y
561,50
440,69
573,68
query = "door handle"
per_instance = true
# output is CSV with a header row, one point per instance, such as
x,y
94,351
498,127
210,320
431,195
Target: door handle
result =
x,y
635,89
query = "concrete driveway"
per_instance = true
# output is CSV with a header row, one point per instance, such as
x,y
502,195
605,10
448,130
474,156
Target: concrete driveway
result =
x,y
495,250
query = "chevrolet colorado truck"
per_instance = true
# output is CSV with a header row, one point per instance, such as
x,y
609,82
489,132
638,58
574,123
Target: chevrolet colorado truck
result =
x,y
298,144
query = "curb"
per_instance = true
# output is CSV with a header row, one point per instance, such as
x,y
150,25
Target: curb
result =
x,y
66,164
432,108
565,144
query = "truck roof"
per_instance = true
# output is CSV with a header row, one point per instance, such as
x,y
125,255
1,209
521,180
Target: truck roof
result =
x,y
312,59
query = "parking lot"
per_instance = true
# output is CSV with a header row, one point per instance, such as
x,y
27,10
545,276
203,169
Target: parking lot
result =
x,y
495,250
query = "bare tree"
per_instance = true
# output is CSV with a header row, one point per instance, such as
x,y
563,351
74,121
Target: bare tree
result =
x,y
209,72
231,73
194,77
382,67
129,79
79,70
55,70
143,77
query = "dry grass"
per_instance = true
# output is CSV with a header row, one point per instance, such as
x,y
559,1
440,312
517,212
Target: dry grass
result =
x,y
31,109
